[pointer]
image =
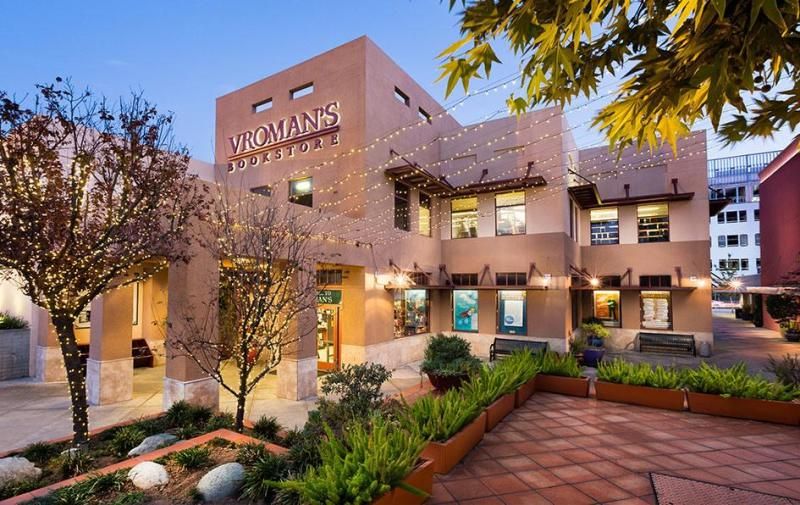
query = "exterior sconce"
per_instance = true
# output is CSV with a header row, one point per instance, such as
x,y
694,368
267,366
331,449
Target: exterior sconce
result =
x,y
594,281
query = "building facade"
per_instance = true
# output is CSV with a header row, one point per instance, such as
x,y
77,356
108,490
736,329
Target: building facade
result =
x,y
503,228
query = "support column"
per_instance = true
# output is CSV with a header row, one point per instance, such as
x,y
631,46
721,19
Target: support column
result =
x,y
49,365
109,369
193,288
297,371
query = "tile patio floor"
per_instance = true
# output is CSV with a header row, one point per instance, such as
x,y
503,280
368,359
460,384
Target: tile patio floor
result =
x,y
571,451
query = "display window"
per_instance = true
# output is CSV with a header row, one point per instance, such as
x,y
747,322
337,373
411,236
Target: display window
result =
x,y
606,307
411,312
465,310
512,312
656,310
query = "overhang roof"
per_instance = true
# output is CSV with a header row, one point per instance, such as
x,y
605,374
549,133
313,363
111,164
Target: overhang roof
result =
x,y
425,181
587,197
632,288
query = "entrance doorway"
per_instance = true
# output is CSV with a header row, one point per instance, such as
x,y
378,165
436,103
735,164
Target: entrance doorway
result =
x,y
328,337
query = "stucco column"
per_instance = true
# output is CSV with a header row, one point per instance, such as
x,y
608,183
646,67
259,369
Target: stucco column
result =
x,y
109,369
297,371
192,287
49,365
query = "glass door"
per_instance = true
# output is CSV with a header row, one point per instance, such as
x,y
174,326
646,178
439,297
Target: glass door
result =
x,y
328,337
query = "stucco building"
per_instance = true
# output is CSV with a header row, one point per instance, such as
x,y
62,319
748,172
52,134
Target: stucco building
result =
x,y
502,228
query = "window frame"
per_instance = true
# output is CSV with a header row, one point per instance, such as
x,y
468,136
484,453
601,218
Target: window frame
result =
x,y
502,328
497,209
603,221
402,222
296,198
425,196
669,310
453,310
639,219
301,91
460,212
611,323
404,311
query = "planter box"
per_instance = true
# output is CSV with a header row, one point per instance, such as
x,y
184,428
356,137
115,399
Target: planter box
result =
x,y
572,386
499,410
745,408
15,351
446,455
524,392
671,399
421,478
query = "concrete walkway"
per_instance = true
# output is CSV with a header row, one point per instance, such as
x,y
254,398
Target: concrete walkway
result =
x,y
32,411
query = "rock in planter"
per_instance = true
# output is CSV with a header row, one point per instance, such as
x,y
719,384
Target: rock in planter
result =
x,y
148,474
221,482
17,469
152,443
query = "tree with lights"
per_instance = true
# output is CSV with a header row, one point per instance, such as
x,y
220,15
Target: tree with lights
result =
x,y
682,60
267,253
92,196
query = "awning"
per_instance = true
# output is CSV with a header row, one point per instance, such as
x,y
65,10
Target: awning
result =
x,y
632,288
423,180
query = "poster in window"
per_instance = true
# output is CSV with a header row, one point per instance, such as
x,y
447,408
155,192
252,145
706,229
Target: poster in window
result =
x,y
512,312
465,310
606,307
655,310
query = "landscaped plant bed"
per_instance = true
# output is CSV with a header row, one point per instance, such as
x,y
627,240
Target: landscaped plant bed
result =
x,y
572,386
498,410
182,481
745,408
446,455
670,399
524,392
420,478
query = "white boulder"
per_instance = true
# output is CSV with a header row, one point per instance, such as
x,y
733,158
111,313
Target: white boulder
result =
x,y
222,482
148,474
17,469
152,443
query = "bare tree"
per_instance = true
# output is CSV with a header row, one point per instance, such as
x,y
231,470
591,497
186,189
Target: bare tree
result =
x,y
267,254
90,195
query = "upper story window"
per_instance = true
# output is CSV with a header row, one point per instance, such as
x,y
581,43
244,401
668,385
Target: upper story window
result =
x,y
464,279
301,91
423,115
464,217
756,215
733,240
732,216
655,281
262,190
402,97
262,105
510,213
653,222
758,239
604,226
331,277
301,191
424,214
573,220
511,279
401,206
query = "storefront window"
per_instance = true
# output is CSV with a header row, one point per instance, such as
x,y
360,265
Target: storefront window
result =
x,y
424,214
301,192
411,312
656,310
512,312
604,226
465,310
464,217
606,307
510,213
653,222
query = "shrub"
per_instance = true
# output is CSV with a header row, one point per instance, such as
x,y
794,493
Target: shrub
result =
x,y
595,332
522,365
12,490
358,387
267,428
565,365
74,462
489,384
221,442
192,458
261,475
737,382
783,308
787,369
40,452
222,420
247,454
87,491
364,464
152,426
126,438
187,431
640,374
438,418
183,414
11,322
449,355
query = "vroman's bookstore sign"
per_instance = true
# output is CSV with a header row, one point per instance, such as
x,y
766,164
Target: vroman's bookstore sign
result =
x,y
286,138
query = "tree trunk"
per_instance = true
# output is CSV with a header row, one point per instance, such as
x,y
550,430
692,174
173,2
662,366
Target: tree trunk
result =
x,y
241,398
76,378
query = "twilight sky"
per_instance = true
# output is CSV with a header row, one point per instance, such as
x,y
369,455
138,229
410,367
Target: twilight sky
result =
x,y
183,54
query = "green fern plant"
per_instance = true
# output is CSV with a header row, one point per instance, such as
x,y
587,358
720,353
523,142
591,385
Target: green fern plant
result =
x,y
192,458
488,385
640,374
521,367
738,383
126,438
438,418
565,365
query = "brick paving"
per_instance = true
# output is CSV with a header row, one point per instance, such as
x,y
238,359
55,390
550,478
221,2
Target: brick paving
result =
x,y
562,450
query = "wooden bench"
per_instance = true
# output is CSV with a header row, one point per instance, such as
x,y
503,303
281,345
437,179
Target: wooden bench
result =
x,y
667,343
140,351
506,346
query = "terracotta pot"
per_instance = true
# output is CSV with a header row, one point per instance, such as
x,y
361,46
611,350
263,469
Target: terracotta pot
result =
x,y
445,382
421,477
745,408
671,399
499,410
524,392
572,386
446,455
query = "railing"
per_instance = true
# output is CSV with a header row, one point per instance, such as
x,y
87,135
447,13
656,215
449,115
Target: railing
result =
x,y
741,168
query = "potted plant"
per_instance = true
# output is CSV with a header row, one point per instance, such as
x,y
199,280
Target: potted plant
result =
x,y
640,384
493,390
733,392
595,334
523,365
448,361
784,309
15,346
452,423
561,374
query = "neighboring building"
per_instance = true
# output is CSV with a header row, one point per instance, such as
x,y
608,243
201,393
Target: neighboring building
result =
x,y
734,231
780,223
503,228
